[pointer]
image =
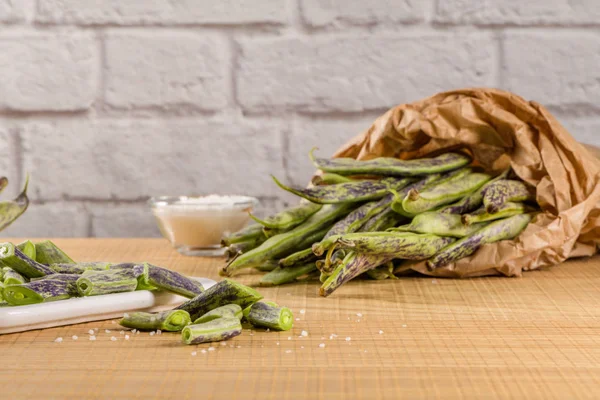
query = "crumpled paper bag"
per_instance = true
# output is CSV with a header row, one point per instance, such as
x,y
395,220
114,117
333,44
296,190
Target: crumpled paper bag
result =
x,y
499,129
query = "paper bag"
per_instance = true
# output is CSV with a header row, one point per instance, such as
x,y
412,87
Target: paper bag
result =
x,y
500,129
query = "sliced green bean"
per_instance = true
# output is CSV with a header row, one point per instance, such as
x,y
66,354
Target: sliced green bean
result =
x,y
173,282
79,268
417,202
353,265
439,224
93,283
505,229
12,277
347,192
223,293
11,210
251,232
14,258
28,248
391,166
170,321
297,258
36,292
265,315
48,253
506,210
268,266
280,276
473,201
213,331
328,178
227,311
503,191
289,218
289,242
70,279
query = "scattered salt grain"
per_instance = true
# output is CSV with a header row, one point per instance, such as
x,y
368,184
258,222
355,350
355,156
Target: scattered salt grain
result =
x,y
365,351
159,332
134,331
211,349
268,330
404,325
203,351
289,338
434,281
322,337
74,337
125,315
121,332
238,347
152,333
113,322
223,343
137,333
297,319
251,333
301,347
302,311
58,340
113,339
304,333
358,315
92,338
107,331
126,337
322,345
288,351
91,332
194,353
348,339
381,332
96,329
277,343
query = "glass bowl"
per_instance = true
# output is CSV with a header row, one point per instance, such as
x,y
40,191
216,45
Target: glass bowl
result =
x,y
195,224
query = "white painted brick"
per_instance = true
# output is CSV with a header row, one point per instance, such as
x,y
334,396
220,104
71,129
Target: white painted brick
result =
x,y
558,69
328,135
325,12
50,220
360,72
166,70
128,220
127,12
53,72
12,10
586,131
134,159
9,160
518,12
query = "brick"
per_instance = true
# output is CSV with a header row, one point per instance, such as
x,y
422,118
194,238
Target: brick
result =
x,y
165,70
48,72
12,11
518,12
326,12
327,135
50,220
8,160
127,220
133,159
360,72
553,70
129,12
585,131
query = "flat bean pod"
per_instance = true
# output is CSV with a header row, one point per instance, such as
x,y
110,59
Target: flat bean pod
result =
x,y
353,265
14,258
173,282
503,191
399,196
297,258
227,311
347,192
251,232
473,201
289,218
170,321
267,315
36,292
213,331
388,218
505,229
439,224
279,275
223,293
506,210
79,268
392,166
48,253
438,195
329,178
268,265
289,242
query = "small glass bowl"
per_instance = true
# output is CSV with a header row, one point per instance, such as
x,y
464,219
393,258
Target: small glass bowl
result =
x,y
195,225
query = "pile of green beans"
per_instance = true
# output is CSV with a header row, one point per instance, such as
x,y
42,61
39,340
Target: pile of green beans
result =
x,y
365,218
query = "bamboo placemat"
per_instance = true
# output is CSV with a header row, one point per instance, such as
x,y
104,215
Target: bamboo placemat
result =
x,y
530,337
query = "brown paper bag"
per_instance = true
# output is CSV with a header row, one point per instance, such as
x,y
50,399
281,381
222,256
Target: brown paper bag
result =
x,y
500,129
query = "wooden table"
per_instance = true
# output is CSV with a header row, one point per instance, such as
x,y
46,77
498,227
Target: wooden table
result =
x,y
531,337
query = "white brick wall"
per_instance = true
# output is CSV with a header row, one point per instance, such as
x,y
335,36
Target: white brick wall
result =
x,y
106,103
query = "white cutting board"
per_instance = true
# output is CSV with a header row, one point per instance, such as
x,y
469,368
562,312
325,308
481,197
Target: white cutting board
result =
x,y
86,309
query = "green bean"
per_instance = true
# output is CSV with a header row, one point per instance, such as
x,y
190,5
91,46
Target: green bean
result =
x,y
14,258
266,315
251,232
79,268
48,253
36,292
289,218
214,331
506,210
11,210
70,279
504,191
328,178
27,248
279,275
227,311
289,242
93,283
268,265
223,293
382,272
439,195
391,166
353,265
505,229
388,218
170,321
347,192
12,277
408,246
473,201
297,258
234,250
439,224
